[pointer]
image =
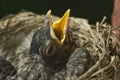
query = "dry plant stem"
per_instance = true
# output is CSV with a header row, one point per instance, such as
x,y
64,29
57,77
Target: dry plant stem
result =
x,y
86,74
115,68
105,68
97,27
107,44
103,20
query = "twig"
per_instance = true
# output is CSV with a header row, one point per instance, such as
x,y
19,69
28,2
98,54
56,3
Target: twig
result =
x,y
105,68
86,74
107,42
97,27
103,20
89,71
115,68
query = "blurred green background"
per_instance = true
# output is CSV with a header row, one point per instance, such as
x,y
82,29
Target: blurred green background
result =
x,y
93,10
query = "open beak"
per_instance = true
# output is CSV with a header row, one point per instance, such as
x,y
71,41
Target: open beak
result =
x,y
59,28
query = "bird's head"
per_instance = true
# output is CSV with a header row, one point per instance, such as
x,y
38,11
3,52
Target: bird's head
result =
x,y
52,41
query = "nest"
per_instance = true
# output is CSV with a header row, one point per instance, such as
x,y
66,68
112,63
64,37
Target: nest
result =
x,y
107,66
16,34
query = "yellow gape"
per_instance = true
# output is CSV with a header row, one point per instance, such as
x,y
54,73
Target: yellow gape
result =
x,y
59,28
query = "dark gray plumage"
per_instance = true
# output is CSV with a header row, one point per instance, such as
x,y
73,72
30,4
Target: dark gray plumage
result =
x,y
49,60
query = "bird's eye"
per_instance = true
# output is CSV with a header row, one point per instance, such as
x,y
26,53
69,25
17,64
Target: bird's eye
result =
x,y
50,50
